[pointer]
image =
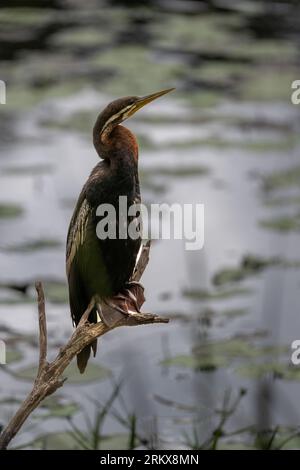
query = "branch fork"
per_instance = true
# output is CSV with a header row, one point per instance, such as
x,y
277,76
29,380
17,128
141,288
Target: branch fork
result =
x,y
49,375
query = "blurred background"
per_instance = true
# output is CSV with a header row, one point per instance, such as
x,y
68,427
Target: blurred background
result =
x,y
220,374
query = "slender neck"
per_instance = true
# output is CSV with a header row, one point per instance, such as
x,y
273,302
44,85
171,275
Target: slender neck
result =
x,y
120,145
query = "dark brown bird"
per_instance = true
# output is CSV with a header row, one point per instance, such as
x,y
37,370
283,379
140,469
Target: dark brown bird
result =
x,y
103,267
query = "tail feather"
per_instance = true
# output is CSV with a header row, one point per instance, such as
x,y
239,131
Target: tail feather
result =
x,y
84,355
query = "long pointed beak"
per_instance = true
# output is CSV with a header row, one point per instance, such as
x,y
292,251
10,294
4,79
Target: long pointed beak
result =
x,y
141,102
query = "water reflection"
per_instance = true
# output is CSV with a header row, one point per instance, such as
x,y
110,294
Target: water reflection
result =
x,y
228,139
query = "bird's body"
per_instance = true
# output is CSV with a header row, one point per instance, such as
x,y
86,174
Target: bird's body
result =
x,y
96,266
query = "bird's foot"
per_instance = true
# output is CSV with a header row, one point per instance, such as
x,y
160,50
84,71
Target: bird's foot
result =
x,y
135,292
127,302
110,313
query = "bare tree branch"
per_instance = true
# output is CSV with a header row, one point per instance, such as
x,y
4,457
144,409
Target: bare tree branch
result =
x,y
42,327
49,376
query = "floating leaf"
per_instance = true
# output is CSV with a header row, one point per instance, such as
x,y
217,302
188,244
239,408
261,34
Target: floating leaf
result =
x,y
282,179
277,370
201,294
60,411
249,266
57,441
285,223
205,363
231,445
234,312
92,373
8,211
67,441
56,291
34,245
180,171
12,355
22,170
211,355
115,442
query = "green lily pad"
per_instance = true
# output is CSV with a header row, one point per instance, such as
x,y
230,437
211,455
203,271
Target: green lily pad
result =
x,y
21,170
282,179
57,409
278,370
115,442
67,441
287,440
232,445
282,201
284,144
201,294
250,265
93,372
124,60
56,292
234,312
81,121
205,363
10,401
180,172
26,17
212,355
209,33
34,245
282,224
12,355
236,348
8,211
56,441
16,300
80,37
264,84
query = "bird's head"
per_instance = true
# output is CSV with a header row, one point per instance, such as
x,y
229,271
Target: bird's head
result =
x,y
118,111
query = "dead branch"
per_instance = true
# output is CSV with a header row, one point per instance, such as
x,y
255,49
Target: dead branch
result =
x,y
49,376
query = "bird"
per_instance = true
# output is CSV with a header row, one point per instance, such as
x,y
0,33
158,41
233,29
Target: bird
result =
x,y
99,267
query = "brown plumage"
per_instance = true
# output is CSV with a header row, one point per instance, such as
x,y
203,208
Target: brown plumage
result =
x,y
102,268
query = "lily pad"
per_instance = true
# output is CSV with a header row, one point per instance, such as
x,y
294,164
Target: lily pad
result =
x,y
21,170
8,211
93,373
56,292
35,245
12,355
115,442
56,441
67,441
205,363
180,172
201,294
124,60
282,201
282,224
236,348
81,121
26,17
282,179
55,408
234,312
287,439
80,38
233,445
264,84
277,370
212,355
249,266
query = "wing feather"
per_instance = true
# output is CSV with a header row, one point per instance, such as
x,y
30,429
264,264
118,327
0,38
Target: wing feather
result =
x,y
77,231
